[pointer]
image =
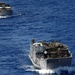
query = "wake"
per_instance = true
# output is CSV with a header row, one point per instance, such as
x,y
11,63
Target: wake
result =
x,y
4,16
11,16
48,71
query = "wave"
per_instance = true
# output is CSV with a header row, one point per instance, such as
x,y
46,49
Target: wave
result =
x,y
8,16
12,16
59,70
4,16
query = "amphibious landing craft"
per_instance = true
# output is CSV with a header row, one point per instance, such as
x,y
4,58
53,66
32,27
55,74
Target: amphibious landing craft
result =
x,y
5,9
49,55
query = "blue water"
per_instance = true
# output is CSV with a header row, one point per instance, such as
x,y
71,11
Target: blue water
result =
x,y
40,19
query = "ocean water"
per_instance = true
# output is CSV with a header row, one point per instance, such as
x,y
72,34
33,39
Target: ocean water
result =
x,y
39,19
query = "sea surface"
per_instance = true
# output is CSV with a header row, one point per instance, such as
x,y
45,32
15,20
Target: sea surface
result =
x,y
39,19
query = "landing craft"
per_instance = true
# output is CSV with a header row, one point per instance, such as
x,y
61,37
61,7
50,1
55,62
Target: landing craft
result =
x,y
49,55
5,9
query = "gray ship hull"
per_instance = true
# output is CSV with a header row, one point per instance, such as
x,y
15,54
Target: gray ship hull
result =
x,y
5,12
52,63
59,62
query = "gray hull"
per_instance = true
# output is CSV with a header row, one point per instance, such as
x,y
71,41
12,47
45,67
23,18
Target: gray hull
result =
x,y
52,63
5,12
59,62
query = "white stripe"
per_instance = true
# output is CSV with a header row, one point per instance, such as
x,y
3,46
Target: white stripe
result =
x,y
5,7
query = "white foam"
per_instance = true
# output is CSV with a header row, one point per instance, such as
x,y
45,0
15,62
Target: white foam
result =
x,y
44,71
59,70
4,16
50,71
27,67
